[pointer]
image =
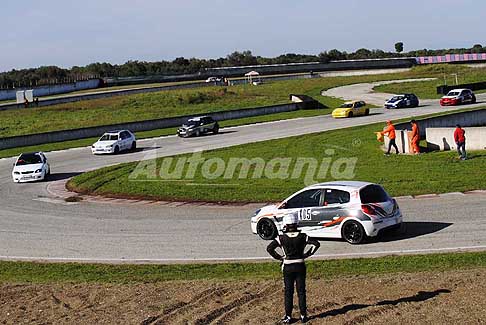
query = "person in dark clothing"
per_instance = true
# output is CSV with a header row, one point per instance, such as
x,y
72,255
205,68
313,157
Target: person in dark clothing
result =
x,y
460,139
293,244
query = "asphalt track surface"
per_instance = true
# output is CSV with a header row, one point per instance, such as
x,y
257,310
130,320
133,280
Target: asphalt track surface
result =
x,y
34,225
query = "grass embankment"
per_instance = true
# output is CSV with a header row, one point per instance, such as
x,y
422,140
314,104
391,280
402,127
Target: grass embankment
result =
x,y
161,132
428,89
174,103
27,272
437,172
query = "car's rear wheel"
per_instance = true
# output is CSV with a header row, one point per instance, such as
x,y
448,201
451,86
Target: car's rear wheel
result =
x,y
198,133
117,150
353,232
134,146
473,100
266,229
367,112
216,129
350,114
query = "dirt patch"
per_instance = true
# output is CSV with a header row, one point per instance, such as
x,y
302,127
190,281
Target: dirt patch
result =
x,y
426,298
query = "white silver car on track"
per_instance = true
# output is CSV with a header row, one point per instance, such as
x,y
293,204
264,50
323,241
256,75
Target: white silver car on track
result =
x,y
114,142
30,167
349,210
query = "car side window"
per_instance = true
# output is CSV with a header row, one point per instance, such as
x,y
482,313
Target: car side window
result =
x,y
336,197
306,199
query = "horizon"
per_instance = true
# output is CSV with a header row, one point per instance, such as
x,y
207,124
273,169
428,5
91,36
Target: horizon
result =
x,y
199,30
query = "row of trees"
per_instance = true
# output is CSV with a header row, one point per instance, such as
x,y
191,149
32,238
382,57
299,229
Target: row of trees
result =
x,y
181,65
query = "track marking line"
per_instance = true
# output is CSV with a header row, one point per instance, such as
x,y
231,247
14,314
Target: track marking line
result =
x,y
227,259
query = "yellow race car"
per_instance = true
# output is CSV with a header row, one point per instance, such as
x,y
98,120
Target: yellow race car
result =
x,y
350,109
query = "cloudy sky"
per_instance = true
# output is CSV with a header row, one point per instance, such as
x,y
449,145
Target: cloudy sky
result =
x,y
67,33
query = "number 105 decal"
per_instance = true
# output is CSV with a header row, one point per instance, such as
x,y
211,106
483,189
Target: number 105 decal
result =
x,y
305,214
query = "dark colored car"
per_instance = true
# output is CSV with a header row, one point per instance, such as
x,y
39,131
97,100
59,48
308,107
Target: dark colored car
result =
x,y
402,101
458,97
197,126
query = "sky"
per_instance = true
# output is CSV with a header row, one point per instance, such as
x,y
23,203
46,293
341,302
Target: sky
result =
x,y
67,33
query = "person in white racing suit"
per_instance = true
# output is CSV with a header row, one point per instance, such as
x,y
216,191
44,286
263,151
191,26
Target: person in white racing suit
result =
x,y
293,244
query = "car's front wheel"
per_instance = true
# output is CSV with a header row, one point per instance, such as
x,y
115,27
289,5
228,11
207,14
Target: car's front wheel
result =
x,y
116,150
350,114
353,232
266,229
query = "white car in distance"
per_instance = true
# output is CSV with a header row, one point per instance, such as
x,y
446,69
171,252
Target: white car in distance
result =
x,y
30,167
113,142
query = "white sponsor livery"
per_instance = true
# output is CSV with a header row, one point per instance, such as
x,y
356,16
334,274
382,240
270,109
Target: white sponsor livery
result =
x,y
349,210
114,142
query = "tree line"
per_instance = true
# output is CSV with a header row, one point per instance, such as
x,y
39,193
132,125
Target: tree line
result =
x,y
53,74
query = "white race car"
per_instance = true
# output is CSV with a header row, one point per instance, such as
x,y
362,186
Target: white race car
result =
x,y
349,210
30,167
114,142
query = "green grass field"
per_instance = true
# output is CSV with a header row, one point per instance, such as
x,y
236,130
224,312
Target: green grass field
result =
x,y
175,103
445,75
342,154
26,272
162,132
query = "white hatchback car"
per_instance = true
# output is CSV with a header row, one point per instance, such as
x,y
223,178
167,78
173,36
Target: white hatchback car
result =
x,y
30,167
349,210
114,142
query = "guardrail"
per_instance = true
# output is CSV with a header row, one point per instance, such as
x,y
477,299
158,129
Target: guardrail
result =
x,y
66,135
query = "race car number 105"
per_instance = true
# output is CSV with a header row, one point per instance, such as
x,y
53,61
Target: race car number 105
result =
x,y
305,214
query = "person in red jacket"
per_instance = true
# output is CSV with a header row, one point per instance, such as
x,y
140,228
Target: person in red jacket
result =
x,y
390,132
415,137
460,139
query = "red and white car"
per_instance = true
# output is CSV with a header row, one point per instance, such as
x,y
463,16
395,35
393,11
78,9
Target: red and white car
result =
x,y
349,210
458,97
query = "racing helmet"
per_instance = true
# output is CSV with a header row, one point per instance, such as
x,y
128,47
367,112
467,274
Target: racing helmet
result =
x,y
290,219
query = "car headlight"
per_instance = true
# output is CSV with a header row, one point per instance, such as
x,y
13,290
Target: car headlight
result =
x,y
257,212
110,146
38,171
16,173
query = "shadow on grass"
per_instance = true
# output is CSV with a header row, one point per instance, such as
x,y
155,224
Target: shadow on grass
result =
x,y
411,230
419,297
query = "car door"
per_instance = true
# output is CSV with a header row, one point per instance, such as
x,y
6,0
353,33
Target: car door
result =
x,y
303,205
333,210
125,139
358,109
45,163
408,101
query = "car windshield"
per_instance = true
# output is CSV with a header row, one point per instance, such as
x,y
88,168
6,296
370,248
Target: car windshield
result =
x,y
347,105
453,93
396,98
28,159
373,194
193,123
109,137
